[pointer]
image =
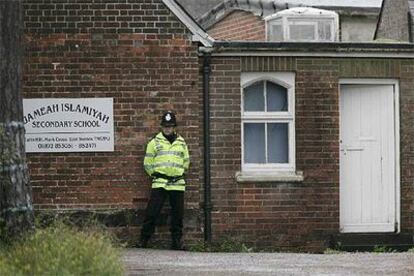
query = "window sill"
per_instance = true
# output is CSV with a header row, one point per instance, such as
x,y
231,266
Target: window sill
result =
x,y
269,176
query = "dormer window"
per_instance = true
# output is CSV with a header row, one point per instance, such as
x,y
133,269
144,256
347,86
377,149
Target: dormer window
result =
x,y
302,24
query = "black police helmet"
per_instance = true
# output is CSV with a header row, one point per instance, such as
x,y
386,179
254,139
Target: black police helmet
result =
x,y
168,119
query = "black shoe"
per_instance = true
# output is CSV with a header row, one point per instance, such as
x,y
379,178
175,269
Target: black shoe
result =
x,y
177,245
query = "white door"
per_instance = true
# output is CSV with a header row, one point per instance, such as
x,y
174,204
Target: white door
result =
x,y
367,158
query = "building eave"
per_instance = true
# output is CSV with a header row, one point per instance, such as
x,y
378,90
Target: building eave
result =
x,y
314,49
198,32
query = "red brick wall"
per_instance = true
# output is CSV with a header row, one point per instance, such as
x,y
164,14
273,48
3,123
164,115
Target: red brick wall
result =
x,y
296,216
239,25
134,51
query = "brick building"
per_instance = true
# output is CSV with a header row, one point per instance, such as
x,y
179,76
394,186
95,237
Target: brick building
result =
x,y
283,168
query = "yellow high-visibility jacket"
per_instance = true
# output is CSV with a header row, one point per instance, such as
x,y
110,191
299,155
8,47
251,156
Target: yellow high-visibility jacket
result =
x,y
166,163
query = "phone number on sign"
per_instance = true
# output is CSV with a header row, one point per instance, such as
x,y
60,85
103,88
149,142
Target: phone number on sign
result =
x,y
87,145
67,146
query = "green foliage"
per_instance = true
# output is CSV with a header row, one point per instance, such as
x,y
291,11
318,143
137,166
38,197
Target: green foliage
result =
x,y
411,250
200,246
49,218
229,245
225,245
382,249
332,251
61,250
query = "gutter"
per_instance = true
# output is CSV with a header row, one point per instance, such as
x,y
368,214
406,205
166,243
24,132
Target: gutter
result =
x,y
392,49
312,46
207,206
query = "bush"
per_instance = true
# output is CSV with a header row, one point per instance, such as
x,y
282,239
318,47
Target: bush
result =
x,y
225,245
383,249
61,250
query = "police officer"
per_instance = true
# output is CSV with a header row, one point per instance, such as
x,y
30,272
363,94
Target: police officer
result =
x,y
166,161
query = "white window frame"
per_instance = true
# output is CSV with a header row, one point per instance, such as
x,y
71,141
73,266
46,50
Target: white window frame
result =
x,y
287,20
301,21
268,26
287,80
311,21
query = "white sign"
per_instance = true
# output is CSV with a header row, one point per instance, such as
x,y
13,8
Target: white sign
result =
x,y
69,124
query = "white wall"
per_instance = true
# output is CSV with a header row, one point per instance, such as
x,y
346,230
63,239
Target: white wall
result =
x,y
357,28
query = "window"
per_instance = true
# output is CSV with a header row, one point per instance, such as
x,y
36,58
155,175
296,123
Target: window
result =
x,y
276,30
302,24
302,30
268,122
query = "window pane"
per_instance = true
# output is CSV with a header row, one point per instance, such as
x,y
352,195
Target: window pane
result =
x,y
324,31
278,142
253,97
276,33
302,32
254,143
276,97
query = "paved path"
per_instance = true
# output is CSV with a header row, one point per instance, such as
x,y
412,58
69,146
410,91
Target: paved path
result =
x,y
167,262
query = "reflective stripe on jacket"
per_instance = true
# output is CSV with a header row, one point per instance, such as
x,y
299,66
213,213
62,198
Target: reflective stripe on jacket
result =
x,y
164,158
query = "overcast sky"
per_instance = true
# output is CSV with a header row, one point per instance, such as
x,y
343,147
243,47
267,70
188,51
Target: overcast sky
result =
x,y
354,3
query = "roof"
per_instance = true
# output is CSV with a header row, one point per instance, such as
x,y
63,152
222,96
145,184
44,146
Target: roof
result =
x,y
410,7
288,48
198,7
198,32
319,49
267,7
339,3
302,11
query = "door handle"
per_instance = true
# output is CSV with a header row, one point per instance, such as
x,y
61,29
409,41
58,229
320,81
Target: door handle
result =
x,y
345,149
354,149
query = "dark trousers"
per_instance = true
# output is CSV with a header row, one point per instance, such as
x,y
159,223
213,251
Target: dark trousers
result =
x,y
153,210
